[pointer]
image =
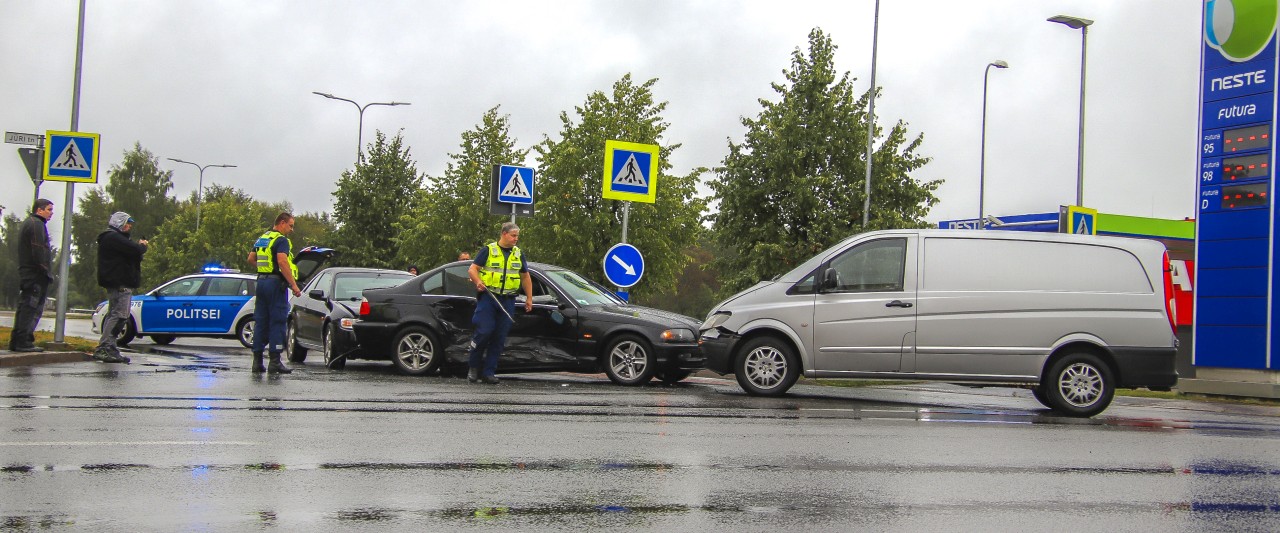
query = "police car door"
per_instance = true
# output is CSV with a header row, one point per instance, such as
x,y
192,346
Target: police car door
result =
x,y
223,298
171,307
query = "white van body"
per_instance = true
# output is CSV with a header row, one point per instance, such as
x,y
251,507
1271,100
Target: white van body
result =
x,y
1071,316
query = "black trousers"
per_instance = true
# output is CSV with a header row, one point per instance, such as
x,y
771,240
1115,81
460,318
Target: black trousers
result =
x,y
30,308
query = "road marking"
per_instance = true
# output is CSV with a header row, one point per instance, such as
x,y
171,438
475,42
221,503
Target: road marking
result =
x,y
134,443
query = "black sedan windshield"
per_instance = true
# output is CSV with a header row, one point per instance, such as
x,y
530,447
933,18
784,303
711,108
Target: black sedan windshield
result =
x,y
582,290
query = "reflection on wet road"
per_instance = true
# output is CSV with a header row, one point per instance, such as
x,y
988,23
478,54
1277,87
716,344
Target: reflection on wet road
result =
x,y
181,441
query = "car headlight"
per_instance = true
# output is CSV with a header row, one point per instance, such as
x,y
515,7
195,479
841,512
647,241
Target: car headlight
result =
x,y
677,335
346,323
715,320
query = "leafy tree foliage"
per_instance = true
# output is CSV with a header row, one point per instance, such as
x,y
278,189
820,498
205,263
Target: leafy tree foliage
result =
x,y
138,186
574,226
452,215
697,287
230,220
370,200
794,186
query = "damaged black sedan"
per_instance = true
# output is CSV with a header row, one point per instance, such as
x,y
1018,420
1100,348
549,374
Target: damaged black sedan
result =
x,y
576,325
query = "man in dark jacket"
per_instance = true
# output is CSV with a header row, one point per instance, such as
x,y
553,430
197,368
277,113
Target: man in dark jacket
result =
x,y
119,271
34,275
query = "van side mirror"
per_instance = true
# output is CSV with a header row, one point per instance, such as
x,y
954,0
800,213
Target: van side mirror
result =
x,y
829,279
316,294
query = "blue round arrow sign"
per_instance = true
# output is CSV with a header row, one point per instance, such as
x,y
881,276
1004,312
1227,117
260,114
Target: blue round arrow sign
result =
x,y
623,265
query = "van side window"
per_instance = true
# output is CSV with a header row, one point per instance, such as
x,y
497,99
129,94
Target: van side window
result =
x,y
875,266
805,286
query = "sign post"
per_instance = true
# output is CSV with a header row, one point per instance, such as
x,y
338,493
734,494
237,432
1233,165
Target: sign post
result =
x,y
630,175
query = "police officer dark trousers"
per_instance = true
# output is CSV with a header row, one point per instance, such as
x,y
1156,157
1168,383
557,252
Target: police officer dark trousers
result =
x,y
277,275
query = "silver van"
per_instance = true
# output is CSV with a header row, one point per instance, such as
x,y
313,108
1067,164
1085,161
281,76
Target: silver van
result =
x,y
1072,317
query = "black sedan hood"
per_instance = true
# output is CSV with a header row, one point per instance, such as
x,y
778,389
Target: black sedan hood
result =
x,y
659,317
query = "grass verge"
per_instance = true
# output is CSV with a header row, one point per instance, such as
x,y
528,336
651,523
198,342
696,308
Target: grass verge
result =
x,y
42,337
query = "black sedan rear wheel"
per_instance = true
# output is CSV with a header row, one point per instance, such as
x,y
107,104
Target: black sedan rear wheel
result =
x,y
629,360
416,351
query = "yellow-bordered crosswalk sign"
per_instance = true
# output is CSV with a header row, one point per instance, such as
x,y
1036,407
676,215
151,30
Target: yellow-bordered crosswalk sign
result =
x,y
630,171
1082,220
71,156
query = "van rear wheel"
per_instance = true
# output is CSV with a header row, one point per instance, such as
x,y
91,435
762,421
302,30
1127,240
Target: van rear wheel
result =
x,y
767,367
1079,384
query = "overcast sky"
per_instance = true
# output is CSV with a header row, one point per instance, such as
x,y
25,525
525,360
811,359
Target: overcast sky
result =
x,y
230,82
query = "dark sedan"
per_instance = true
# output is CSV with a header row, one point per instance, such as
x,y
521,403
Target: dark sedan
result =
x,y
576,325
321,319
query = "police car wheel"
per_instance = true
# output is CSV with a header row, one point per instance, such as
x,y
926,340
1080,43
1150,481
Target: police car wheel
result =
x,y
127,334
629,361
163,339
296,352
244,332
416,352
329,360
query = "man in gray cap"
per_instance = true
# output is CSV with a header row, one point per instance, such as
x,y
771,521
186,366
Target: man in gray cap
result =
x,y
119,271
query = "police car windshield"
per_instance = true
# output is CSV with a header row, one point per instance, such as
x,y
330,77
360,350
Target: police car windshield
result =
x,y
350,286
582,290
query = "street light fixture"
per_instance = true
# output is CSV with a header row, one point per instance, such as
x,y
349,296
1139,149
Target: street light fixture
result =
x,y
200,187
982,158
361,108
1077,23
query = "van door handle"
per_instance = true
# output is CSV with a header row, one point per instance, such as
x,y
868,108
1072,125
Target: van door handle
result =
x,y
898,303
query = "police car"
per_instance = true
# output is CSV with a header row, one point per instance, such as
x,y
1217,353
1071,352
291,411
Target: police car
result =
x,y
216,302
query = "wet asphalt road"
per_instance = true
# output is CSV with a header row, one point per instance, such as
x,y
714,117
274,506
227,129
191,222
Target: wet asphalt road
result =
x,y
188,439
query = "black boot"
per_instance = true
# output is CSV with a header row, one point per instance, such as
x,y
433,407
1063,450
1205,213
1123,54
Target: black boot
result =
x,y
276,366
257,363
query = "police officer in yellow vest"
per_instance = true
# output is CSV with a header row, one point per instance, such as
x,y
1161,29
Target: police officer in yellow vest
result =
x,y
273,255
501,270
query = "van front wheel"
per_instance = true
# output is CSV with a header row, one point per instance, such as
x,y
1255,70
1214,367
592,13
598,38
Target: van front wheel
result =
x,y
767,367
1079,384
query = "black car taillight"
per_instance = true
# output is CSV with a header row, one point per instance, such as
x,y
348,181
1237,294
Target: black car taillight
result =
x,y
364,307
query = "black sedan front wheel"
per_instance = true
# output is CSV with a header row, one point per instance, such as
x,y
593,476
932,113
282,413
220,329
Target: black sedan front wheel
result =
x,y
331,359
295,351
416,351
629,360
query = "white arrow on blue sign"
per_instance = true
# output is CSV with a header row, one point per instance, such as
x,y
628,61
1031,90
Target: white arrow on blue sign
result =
x,y
623,265
515,184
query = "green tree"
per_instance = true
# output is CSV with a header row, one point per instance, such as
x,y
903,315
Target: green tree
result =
x,y
230,221
453,213
138,186
574,226
369,202
794,186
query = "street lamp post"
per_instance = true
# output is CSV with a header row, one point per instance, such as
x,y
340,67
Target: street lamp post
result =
x,y
982,158
1082,25
200,187
871,118
361,108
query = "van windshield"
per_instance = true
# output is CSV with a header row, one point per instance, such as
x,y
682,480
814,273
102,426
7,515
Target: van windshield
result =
x,y
807,267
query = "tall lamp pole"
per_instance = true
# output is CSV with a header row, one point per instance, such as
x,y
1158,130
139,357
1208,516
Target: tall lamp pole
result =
x,y
1082,25
361,108
871,117
982,158
200,189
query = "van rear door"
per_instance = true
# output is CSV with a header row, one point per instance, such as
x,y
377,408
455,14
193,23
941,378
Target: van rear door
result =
x,y
864,315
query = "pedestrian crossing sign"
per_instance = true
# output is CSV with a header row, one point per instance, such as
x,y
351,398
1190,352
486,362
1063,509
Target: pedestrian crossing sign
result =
x,y
1083,221
71,156
515,184
630,171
